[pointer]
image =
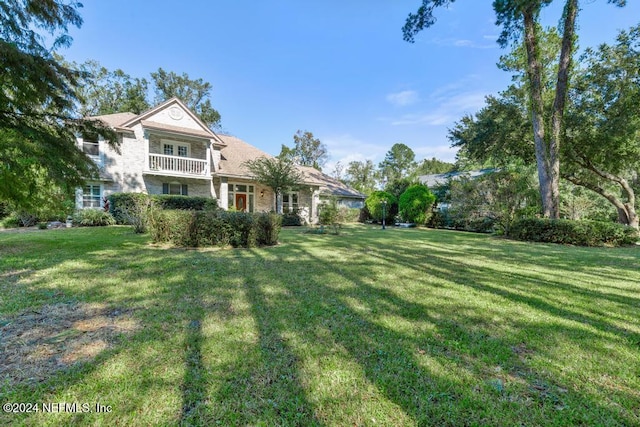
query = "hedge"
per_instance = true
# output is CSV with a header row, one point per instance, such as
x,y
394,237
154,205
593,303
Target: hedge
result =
x,y
209,228
93,218
121,204
581,233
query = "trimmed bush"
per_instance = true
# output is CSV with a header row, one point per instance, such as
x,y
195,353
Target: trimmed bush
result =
x,y
268,226
190,203
122,205
415,204
374,205
581,233
93,218
291,219
207,228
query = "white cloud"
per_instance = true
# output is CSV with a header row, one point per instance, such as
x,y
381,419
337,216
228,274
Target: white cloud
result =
x,y
446,110
442,152
346,148
453,42
404,98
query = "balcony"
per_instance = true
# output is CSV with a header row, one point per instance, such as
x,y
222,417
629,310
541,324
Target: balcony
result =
x,y
161,164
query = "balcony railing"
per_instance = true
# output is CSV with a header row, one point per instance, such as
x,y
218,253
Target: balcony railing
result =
x,y
178,165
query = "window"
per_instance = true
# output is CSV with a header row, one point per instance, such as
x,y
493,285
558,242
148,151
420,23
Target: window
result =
x,y
90,145
290,202
175,189
172,148
91,196
91,148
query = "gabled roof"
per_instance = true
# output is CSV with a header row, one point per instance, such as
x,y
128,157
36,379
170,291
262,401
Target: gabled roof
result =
x,y
126,121
442,178
329,186
236,152
115,120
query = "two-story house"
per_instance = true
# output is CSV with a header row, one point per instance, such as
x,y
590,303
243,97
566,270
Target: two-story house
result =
x,y
169,150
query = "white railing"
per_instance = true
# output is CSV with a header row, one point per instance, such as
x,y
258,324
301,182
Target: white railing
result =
x,y
176,164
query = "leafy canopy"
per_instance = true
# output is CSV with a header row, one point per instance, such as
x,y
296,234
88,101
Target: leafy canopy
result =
x,y
281,175
307,150
415,203
38,120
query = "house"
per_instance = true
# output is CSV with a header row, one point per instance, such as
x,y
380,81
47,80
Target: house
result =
x,y
169,150
440,179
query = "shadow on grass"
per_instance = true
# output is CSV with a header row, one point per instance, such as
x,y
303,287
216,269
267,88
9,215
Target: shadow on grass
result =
x,y
426,353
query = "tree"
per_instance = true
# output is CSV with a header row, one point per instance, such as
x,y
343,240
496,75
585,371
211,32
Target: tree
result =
x,y
433,166
194,93
374,204
494,200
415,203
519,19
361,176
602,148
281,175
399,162
603,129
307,150
108,92
38,121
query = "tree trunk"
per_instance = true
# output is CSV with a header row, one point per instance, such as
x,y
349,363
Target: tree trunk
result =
x,y
534,74
626,211
562,88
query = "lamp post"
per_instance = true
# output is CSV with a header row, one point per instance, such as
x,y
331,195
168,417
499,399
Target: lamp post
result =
x,y
384,214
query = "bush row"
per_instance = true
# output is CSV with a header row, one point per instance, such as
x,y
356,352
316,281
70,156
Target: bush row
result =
x,y
582,233
93,218
122,204
214,227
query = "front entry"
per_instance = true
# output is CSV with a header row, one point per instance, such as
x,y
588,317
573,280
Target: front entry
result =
x,y
241,202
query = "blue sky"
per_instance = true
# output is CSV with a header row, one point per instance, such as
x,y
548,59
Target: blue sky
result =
x,y
339,69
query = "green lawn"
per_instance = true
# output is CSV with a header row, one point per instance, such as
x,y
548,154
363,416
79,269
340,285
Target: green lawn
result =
x,y
371,327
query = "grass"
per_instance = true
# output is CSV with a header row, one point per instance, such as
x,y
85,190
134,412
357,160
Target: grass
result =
x,y
401,327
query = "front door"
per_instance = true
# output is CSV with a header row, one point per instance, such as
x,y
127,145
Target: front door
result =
x,y
241,202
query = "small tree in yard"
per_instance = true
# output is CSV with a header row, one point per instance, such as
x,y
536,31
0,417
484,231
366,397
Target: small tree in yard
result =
x,y
279,174
374,204
415,204
330,215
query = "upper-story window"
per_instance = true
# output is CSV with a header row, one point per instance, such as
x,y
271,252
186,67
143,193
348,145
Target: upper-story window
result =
x,y
91,146
174,148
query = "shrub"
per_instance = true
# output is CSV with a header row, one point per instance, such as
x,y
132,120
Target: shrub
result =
x,y
123,206
292,219
268,226
243,232
212,227
134,208
329,214
192,203
582,233
365,215
350,214
415,204
93,218
374,204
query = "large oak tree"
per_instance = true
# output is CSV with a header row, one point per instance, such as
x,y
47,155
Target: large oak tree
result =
x,y
519,21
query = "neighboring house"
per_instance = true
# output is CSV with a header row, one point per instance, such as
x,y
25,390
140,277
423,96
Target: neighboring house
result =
x,y
442,179
439,179
169,150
